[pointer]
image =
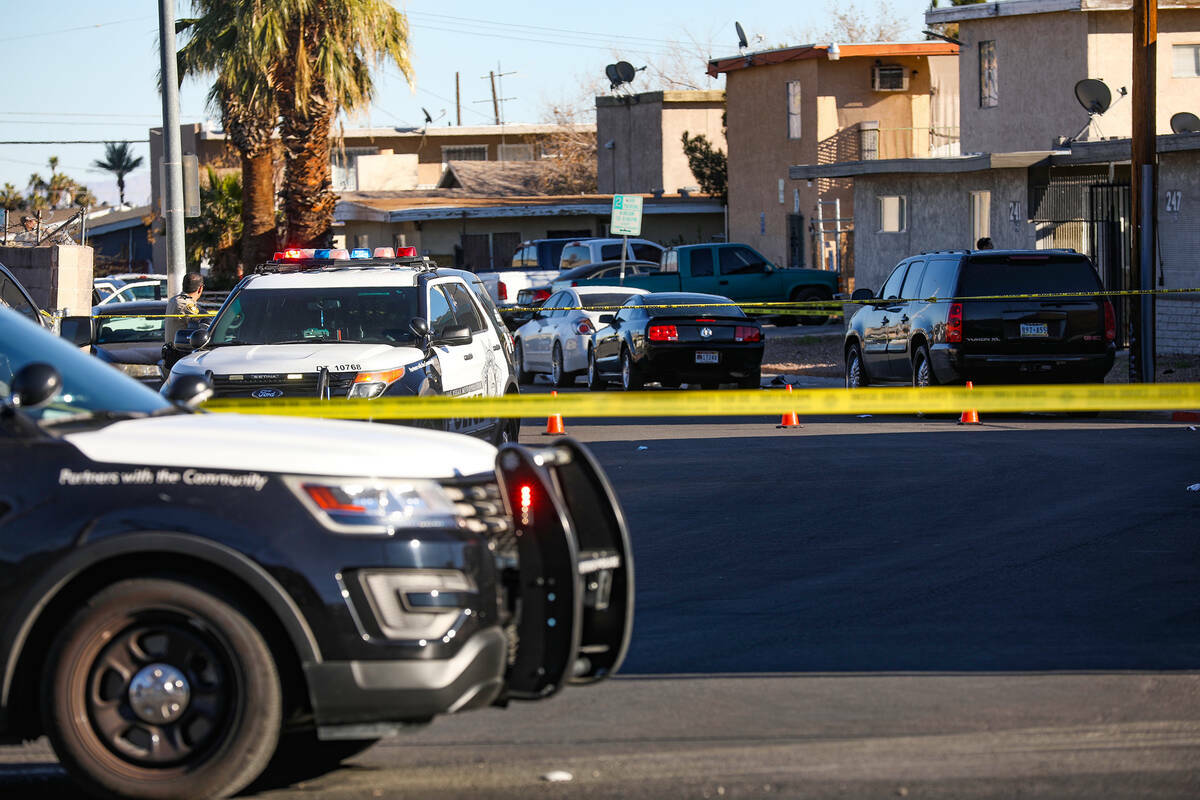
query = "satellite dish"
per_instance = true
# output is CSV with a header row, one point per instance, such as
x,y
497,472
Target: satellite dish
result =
x,y
613,77
1093,95
625,71
1185,122
742,42
428,116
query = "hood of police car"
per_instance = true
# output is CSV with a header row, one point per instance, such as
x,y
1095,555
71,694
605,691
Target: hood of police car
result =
x,y
261,359
242,444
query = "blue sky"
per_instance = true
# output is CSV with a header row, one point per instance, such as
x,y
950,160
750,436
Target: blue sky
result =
x,y
78,69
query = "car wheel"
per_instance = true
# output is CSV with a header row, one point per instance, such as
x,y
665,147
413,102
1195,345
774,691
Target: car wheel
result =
x,y
631,377
302,756
161,689
558,375
856,371
922,370
523,376
507,432
817,318
594,380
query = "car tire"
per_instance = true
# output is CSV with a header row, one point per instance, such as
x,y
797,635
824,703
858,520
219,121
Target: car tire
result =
x,y
523,376
134,635
595,380
631,376
856,369
922,368
302,756
818,318
558,374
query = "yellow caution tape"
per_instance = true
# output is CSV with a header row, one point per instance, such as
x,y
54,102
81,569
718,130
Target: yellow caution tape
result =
x,y
749,402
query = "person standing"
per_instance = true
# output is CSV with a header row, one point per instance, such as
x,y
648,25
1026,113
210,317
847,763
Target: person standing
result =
x,y
182,312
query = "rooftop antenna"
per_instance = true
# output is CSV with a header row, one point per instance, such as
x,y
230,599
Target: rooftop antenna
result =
x,y
1185,122
743,43
1096,98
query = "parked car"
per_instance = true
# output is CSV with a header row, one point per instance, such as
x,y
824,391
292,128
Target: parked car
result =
x,y
591,251
941,339
129,291
556,341
740,272
603,271
14,296
534,263
696,340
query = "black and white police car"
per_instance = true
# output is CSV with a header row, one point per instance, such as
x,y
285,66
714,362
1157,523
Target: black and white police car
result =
x,y
189,599
338,324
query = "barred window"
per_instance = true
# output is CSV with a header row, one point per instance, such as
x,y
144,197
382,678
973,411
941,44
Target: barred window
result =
x,y
989,95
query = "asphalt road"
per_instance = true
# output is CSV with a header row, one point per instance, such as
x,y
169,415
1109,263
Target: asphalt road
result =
x,y
858,608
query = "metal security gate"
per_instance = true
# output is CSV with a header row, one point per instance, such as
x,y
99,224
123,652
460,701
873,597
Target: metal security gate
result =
x,y
795,227
1110,243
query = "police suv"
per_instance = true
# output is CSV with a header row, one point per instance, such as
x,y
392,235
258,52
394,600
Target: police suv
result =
x,y
337,324
189,599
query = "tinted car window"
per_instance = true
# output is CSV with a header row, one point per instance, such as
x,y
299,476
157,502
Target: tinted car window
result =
x,y
441,314
939,279
702,263
575,255
891,289
610,251
646,252
464,310
913,280
11,296
555,302
992,275
596,302
741,261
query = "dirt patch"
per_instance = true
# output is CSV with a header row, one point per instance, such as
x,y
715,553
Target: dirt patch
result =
x,y
818,356
1167,369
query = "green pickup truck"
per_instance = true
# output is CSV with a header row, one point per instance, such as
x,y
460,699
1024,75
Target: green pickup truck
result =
x,y
736,271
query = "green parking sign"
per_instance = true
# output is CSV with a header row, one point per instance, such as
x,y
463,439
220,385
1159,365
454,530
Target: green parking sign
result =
x,y
626,215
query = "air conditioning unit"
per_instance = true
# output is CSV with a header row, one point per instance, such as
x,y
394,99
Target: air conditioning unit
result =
x,y
889,78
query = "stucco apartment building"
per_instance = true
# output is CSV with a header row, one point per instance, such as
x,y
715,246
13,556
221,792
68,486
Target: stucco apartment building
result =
x,y
1025,178
822,103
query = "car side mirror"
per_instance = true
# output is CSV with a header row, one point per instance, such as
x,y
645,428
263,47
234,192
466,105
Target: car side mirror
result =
x,y
454,336
606,319
862,294
79,331
189,391
34,385
199,338
419,326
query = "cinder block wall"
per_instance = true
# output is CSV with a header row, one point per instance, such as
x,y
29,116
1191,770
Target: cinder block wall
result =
x,y
56,276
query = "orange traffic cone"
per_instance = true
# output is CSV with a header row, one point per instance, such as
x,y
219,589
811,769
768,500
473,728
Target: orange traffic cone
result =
x,y
790,420
970,416
554,423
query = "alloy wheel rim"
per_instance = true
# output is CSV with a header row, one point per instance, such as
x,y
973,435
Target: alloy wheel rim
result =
x,y
855,372
556,366
923,373
626,371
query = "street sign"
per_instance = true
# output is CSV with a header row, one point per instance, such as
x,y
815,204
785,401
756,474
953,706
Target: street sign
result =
x,y
626,215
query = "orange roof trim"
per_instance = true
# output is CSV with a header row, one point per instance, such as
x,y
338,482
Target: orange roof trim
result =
x,y
810,51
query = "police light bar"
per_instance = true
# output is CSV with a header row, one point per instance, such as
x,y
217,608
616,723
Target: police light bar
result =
x,y
384,252
360,252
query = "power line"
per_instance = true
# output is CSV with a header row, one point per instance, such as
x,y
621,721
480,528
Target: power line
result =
x,y
73,122
79,141
654,41
76,114
58,31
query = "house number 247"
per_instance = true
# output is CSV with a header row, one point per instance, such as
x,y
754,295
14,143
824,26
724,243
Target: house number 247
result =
x,y
1174,201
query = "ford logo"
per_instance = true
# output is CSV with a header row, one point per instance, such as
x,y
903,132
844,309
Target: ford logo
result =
x,y
264,394
706,332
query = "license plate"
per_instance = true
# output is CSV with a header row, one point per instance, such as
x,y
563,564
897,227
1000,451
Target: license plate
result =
x,y
1034,329
707,357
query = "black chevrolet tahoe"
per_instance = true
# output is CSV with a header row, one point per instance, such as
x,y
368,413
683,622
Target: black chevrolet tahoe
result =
x,y
935,321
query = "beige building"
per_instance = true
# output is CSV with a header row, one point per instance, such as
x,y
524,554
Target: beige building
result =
x,y
1021,59
640,138
821,104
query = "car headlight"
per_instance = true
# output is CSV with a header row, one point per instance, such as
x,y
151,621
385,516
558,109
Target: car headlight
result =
x,y
374,506
373,384
140,370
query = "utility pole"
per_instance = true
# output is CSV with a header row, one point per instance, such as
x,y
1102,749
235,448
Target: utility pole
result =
x,y
457,102
1144,191
497,100
172,149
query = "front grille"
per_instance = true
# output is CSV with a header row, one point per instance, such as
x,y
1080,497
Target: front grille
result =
x,y
303,386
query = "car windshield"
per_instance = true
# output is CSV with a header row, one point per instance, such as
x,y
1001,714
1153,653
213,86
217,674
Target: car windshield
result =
x,y
993,275
90,387
367,315
606,301
133,328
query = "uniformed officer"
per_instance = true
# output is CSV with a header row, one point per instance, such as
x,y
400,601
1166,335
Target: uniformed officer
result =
x,y
182,312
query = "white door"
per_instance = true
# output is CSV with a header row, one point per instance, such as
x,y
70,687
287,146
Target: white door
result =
x,y
487,355
541,337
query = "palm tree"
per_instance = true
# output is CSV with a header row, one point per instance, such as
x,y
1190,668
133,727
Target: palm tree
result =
x,y
214,235
219,42
11,198
119,160
322,52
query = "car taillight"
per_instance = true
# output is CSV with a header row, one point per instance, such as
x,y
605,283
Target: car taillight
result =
x,y
1110,322
954,323
502,290
541,294
574,283
584,326
663,333
745,333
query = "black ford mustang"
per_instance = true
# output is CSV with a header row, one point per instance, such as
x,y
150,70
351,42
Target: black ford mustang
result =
x,y
674,338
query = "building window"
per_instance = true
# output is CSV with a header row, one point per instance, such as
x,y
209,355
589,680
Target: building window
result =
x,y
989,95
469,152
893,213
515,152
344,163
981,215
1185,61
793,109
889,78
